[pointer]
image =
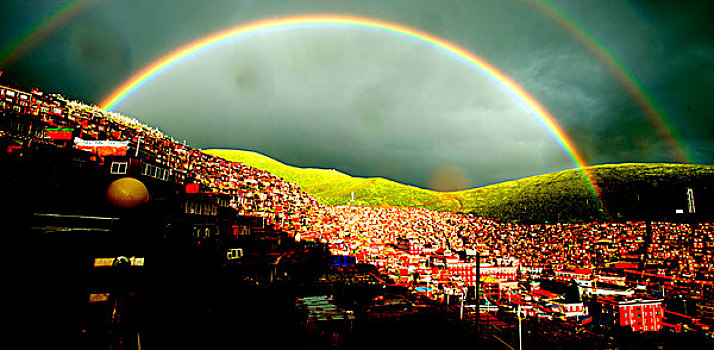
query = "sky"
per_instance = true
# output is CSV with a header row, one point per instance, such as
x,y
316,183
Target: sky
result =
x,y
627,81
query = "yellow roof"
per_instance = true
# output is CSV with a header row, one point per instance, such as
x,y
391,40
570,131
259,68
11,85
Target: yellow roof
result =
x,y
489,279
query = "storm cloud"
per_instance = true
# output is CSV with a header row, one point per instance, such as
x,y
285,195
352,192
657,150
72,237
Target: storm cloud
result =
x,y
371,103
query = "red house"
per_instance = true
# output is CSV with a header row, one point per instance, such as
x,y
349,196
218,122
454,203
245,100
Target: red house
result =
x,y
641,315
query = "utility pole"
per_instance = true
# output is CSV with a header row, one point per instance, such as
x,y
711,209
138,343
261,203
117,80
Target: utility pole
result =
x,y
520,339
461,313
645,247
478,292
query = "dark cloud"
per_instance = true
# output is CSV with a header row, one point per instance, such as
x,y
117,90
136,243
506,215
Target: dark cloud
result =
x,y
373,104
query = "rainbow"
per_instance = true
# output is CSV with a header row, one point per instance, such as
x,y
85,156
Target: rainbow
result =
x,y
30,37
172,59
646,102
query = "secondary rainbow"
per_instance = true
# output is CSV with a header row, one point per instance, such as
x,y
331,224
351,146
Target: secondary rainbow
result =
x,y
645,101
200,45
41,29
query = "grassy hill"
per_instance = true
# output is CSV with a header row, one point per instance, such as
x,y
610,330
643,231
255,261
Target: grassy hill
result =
x,y
634,191
333,187
628,191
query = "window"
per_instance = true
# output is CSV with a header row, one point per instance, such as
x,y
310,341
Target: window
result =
x,y
119,167
190,207
155,172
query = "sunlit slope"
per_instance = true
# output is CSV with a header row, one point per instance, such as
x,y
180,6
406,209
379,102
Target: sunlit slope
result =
x,y
628,191
335,188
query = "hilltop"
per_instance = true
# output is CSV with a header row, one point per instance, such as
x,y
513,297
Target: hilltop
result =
x,y
632,191
332,187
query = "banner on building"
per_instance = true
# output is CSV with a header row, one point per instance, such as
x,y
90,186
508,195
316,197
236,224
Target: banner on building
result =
x,y
61,134
192,188
103,147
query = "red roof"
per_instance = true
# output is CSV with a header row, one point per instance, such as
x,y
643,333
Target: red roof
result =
x,y
544,293
578,271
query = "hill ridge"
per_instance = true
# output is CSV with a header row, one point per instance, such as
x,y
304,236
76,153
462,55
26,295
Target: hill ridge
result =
x,y
630,190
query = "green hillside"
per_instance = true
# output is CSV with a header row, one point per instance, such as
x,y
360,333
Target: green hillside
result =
x,y
627,191
333,187
634,191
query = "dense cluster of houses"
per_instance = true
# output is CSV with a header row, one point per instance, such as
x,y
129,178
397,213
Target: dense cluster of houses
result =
x,y
50,119
439,253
